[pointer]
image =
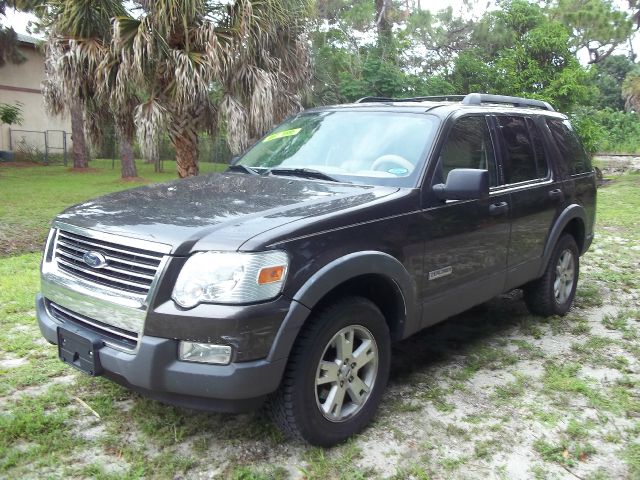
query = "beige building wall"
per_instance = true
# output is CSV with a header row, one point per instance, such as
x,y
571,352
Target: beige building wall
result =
x,y
22,83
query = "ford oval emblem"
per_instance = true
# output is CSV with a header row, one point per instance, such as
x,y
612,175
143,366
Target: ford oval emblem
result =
x,y
95,259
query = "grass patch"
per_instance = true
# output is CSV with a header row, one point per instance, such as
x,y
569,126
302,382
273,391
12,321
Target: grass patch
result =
x,y
488,357
322,464
564,453
508,392
247,473
588,295
486,449
24,223
632,458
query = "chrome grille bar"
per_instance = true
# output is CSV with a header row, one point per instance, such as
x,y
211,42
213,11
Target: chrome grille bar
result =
x,y
128,268
112,335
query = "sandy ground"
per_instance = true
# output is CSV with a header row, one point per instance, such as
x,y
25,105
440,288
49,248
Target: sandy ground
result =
x,y
491,393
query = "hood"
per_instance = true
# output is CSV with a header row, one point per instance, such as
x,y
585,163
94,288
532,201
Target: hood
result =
x,y
228,208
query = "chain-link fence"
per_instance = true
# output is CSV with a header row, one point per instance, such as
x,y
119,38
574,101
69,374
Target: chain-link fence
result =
x,y
53,147
48,147
210,150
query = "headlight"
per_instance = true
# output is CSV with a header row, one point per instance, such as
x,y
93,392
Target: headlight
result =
x,y
230,277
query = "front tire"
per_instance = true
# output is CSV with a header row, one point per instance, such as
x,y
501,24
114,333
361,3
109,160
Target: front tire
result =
x,y
337,372
553,293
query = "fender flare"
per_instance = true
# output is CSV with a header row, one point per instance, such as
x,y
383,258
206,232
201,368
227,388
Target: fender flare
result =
x,y
572,212
330,276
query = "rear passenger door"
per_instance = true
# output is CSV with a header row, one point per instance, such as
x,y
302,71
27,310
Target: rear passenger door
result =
x,y
535,194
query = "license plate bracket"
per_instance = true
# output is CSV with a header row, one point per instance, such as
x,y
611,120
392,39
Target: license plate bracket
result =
x,y
80,349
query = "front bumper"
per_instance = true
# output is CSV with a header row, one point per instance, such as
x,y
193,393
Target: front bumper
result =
x,y
155,371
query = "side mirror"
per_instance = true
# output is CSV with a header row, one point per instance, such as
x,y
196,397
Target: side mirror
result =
x,y
464,184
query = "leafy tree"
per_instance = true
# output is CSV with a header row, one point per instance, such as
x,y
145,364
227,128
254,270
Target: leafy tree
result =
x,y
596,25
433,39
530,56
608,77
11,114
9,51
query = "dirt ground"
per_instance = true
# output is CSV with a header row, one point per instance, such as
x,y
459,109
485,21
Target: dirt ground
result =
x,y
492,393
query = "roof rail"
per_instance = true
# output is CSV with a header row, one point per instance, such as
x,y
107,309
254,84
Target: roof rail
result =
x,y
480,98
446,98
374,99
470,99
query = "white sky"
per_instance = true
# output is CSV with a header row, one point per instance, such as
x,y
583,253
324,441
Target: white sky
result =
x,y
19,21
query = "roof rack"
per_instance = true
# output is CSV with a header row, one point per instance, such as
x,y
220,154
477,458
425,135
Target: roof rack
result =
x,y
445,98
470,99
480,98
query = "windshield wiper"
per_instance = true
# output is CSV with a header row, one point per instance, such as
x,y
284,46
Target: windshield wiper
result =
x,y
241,168
303,172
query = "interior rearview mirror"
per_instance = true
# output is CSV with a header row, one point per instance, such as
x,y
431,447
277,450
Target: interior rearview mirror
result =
x,y
464,184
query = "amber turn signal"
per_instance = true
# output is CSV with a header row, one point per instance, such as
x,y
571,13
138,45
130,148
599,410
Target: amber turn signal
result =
x,y
271,275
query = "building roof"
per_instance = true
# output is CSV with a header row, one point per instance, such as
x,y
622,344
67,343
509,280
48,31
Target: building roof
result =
x,y
22,38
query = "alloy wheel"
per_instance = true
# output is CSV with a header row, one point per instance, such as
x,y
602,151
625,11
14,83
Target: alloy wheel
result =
x,y
346,373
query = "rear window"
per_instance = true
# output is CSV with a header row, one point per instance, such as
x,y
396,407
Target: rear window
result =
x,y
576,160
524,157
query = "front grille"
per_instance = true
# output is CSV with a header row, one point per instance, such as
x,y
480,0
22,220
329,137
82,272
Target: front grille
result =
x,y
112,335
128,268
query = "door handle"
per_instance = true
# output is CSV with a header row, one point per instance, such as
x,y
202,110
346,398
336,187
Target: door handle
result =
x,y
498,208
556,194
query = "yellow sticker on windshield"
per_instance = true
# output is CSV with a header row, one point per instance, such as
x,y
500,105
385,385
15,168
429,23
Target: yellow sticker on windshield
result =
x,y
282,134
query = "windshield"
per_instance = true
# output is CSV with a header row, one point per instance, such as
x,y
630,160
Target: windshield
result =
x,y
376,148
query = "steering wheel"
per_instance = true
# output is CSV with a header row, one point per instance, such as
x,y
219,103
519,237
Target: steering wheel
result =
x,y
393,159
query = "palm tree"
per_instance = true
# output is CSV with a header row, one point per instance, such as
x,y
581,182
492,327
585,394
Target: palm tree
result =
x,y
79,39
204,63
631,91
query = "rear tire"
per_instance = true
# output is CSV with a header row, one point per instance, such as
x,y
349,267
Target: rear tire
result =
x,y
553,293
336,374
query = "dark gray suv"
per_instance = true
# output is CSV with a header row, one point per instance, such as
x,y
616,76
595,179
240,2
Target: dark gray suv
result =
x,y
343,230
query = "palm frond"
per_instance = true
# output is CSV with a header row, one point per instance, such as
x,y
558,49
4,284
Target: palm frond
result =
x,y
150,120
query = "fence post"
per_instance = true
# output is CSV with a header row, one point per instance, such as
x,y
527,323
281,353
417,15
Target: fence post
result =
x,y
46,148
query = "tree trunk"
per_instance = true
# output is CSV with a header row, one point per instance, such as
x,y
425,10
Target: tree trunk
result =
x,y
126,157
80,149
185,141
383,24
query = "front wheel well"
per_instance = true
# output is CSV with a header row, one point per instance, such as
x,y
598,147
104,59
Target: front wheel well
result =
x,y
380,290
575,228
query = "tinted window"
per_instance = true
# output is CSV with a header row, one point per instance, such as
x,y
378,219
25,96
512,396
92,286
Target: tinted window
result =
x,y
542,166
576,159
468,146
524,157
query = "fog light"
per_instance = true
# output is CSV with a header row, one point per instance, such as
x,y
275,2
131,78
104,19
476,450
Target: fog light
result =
x,y
204,353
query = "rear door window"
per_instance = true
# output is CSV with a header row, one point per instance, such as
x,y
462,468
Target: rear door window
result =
x,y
524,158
576,160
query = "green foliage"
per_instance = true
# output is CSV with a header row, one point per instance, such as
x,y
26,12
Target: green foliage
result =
x,y
631,90
589,131
597,25
530,56
607,130
522,49
608,76
11,114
